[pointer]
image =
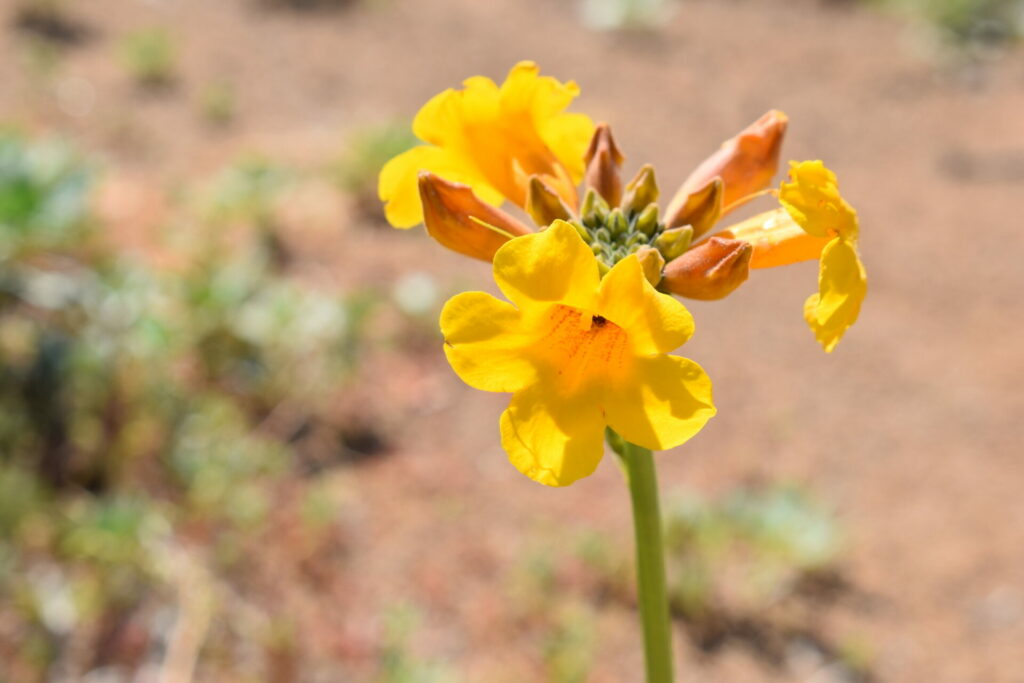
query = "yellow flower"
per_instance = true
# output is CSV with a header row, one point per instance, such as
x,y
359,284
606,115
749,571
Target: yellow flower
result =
x,y
577,352
515,142
814,221
492,139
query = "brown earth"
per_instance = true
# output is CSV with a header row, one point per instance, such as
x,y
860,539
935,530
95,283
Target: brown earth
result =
x,y
912,429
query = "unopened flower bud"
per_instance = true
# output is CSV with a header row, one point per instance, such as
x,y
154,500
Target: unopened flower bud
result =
x,y
711,270
543,204
617,223
636,239
672,243
594,209
652,263
583,232
603,160
700,209
459,220
641,190
647,221
746,163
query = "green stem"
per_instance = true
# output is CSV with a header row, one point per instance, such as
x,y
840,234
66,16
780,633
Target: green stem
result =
x,y
650,561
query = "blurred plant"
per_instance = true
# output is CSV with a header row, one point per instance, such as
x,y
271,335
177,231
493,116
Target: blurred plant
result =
x,y
367,151
396,662
246,192
217,103
971,28
139,409
569,645
746,550
43,196
48,20
41,60
302,5
150,57
625,14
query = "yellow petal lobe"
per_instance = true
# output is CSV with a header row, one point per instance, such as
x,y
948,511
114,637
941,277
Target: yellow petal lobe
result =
x,y
485,342
668,402
842,285
554,265
811,196
493,139
655,322
552,440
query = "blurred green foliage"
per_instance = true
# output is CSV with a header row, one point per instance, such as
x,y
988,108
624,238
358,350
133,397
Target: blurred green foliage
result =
x,y
746,550
140,408
150,57
218,104
367,151
43,196
397,662
969,25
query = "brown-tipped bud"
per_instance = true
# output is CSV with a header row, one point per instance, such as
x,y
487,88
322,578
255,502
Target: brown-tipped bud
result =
x,y
700,209
672,243
652,263
543,204
641,190
456,218
603,162
746,163
711,270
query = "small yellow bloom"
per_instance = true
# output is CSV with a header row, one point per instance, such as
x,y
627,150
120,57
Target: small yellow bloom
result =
x,y
492,139
814,221
812,198
578,352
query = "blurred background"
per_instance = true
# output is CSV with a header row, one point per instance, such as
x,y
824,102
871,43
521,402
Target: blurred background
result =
x,y
230,446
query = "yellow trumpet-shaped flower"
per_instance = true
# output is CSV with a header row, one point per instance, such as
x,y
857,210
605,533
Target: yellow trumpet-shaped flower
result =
x,y
578,352
814,221
492,139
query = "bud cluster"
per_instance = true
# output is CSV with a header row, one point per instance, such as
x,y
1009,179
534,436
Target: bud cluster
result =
x,y
614,233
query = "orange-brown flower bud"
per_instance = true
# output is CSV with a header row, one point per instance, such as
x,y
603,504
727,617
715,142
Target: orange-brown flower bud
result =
x,y
746,163
603,161
543,204
711,270
701,209
459,220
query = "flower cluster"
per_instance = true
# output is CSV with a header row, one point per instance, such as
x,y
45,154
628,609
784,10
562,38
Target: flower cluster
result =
x,y
583,343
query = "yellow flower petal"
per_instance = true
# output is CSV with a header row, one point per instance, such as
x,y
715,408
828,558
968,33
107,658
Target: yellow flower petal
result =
x,y
493,139
667,403
485,342
776,238
554,265
398,184
842,285
552,440
655,322
812,198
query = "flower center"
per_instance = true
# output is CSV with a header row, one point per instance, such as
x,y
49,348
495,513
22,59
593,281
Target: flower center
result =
x,y
615,234
581,350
